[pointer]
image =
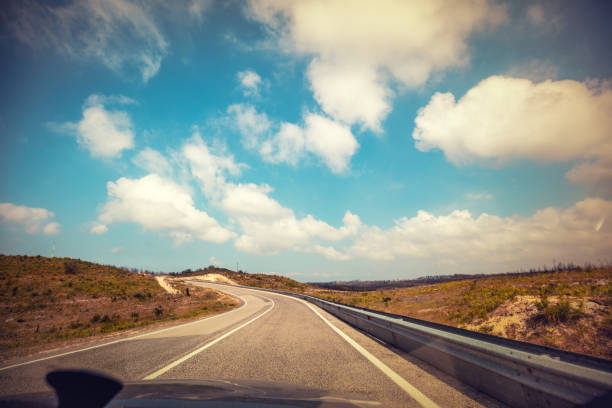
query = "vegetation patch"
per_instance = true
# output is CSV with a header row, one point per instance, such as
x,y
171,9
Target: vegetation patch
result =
x,y
50,302
568,307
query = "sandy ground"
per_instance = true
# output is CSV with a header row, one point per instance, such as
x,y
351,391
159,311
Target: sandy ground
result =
x,y
213,277
164,284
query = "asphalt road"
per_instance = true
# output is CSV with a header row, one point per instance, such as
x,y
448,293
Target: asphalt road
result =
x,y
270,338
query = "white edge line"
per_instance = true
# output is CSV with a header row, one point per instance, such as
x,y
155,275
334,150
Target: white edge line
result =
x,y
125,339
395,377
204,347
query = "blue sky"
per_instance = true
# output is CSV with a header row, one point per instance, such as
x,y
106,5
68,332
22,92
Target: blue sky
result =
x,y
319,140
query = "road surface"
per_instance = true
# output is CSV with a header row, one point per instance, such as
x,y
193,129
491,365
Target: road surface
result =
x,y
270,338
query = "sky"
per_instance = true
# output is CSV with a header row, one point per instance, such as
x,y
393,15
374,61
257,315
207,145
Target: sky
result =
x,y
320,140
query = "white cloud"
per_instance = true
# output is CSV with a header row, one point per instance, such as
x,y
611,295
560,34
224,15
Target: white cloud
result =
x,y
31,219
251,200
337,87
210,169
52,228
330,253
152,161
330,140
375,43
504,118
250,82
157,203
596,175
214,261
275,234
266,226
506,243
326,138
116,250
98,228
286,146
121,34
104,133
251,125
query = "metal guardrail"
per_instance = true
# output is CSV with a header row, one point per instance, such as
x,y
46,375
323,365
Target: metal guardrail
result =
x,y
516,373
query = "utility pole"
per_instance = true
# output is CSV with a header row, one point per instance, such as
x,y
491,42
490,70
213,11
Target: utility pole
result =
x,y
237,267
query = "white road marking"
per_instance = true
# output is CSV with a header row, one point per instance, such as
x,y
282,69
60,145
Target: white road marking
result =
x,y
204,347
123,339
395,377
417,395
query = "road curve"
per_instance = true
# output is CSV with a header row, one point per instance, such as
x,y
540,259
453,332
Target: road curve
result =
x,y
269,338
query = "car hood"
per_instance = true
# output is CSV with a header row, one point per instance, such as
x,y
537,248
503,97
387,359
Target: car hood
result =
x,y
207,393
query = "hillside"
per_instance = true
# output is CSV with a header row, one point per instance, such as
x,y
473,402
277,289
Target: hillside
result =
x,y
257,280
50,302
567,309
570,310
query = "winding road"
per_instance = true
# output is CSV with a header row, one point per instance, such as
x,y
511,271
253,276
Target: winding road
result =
x,y
269,338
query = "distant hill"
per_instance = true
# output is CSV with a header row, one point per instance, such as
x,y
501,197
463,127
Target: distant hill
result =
x,y
359,285
52,301
258,280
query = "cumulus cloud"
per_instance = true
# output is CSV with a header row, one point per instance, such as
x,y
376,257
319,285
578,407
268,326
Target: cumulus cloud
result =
x,y
104,133
286,146
269,228
330,140
251,200
266,227
52,228
250,82
377,43
337,86
159,204
152,161
98,229
251,124
33,220
271,235
504,118
330,253
210,168
595,175
576,233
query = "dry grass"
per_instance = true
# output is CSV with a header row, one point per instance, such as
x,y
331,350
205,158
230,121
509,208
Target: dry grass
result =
x,y
257,280
570,310
47,302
